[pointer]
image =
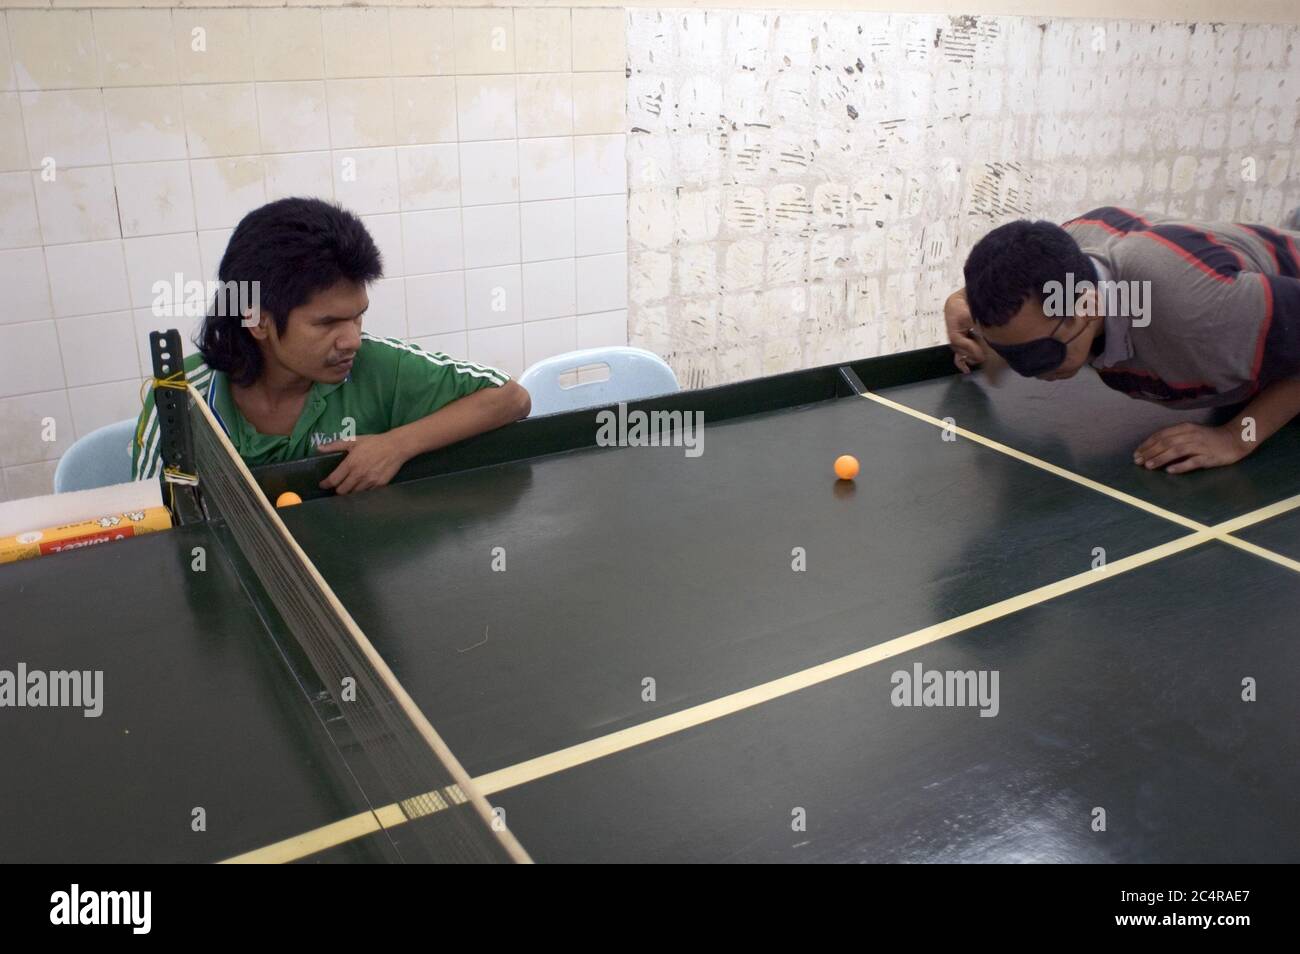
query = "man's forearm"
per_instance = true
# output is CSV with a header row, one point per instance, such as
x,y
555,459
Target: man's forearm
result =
x,y
475,413
1272,408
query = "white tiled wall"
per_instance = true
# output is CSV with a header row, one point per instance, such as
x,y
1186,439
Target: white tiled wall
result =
x,y
484,149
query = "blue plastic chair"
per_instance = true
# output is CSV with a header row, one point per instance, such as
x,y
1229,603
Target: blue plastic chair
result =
x,y
633,374
101,458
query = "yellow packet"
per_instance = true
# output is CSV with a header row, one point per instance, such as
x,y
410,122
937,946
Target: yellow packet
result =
x,y
84,533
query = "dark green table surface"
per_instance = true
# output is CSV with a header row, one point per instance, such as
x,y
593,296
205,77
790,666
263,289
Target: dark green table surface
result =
x,y
1092,430
636,563
624,564
199,711
631,567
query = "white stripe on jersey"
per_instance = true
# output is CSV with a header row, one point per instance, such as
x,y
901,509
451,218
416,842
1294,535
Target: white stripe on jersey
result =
x,y
495,375
150,458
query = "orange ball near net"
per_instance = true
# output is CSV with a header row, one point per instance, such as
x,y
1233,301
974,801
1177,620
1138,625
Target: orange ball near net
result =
x,y
846,467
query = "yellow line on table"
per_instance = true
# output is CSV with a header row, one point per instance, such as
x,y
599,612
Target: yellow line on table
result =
x,y
727,705
313,841
318,839
1257,516
1259,551
1220,531
1223,531
1040,463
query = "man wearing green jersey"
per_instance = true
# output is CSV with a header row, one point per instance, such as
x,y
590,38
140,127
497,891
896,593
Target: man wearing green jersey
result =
x,y
294,374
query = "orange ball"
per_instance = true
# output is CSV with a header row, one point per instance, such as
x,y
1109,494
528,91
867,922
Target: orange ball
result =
x,y
287,499
846,467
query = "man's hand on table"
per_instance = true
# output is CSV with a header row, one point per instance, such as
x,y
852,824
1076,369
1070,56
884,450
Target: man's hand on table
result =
x,y
372,461
1185,447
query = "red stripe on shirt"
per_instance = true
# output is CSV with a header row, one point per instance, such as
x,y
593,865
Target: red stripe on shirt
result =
x,y
1277,260
1241,262
1135,216
1263,328
1295,252
1142,373
1187,257
1099,223
1274,238
1102,223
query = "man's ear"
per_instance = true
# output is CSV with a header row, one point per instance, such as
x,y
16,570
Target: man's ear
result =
x,y
255,321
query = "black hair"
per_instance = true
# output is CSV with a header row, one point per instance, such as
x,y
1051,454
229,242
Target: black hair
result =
x,y
293,248
1015,262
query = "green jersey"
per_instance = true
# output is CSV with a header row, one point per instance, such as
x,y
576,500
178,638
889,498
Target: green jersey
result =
x,y
392,383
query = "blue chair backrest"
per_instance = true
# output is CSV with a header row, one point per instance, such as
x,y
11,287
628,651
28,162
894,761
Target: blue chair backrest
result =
x,y
101,458
633,374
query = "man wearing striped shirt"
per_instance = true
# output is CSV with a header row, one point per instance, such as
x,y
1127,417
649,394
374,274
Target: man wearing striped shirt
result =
x,y
1182,313
294,374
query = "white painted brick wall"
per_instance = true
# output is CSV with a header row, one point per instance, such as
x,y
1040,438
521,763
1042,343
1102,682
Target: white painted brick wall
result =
x,y
805,186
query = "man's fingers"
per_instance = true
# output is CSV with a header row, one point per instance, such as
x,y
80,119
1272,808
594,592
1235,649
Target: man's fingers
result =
x,y
1173,450
1195,462
969,349
1156,448
1149,443
349,484
1156,463
1149,446
337,475
1181,448
1160,438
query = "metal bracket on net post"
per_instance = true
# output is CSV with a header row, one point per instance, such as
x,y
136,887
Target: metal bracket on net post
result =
x,y
175,443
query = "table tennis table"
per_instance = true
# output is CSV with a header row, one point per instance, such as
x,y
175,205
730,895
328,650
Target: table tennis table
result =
x,y
619,647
